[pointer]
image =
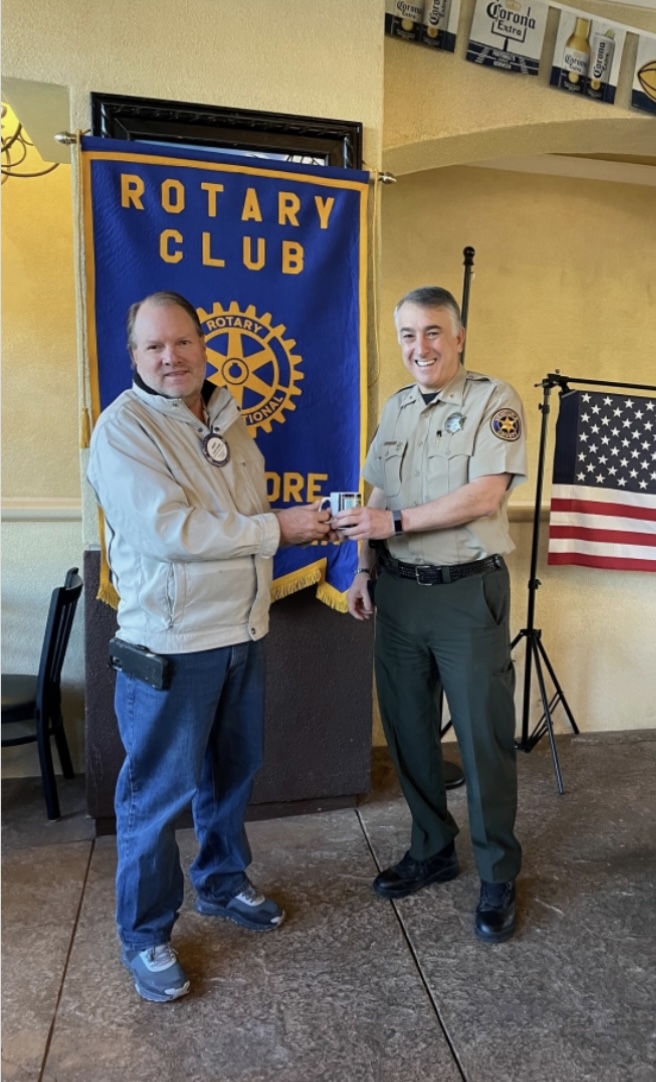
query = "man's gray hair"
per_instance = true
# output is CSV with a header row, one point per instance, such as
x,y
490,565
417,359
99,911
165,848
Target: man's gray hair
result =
x,y
432,297
163,297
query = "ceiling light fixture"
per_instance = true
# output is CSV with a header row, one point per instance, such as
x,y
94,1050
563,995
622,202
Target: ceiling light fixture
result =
x,y
15,149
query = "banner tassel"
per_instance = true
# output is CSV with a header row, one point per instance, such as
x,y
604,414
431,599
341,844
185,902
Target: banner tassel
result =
x,y
107,594
291,584
331,597
85,428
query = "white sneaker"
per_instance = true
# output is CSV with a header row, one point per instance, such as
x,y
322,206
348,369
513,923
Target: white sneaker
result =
x,y
247,907
157,974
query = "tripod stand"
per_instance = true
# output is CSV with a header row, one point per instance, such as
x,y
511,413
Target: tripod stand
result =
x,y
535,651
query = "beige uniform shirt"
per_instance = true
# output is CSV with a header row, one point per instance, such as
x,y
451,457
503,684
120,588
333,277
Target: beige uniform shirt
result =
x,y
474,427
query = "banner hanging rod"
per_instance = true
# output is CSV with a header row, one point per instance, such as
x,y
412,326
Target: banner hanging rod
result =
x,y
554,378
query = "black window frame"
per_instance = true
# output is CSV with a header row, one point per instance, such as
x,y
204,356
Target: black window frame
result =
x,y
328,142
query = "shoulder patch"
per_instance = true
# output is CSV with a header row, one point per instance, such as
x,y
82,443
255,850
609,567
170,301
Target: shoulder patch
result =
x,y
506,425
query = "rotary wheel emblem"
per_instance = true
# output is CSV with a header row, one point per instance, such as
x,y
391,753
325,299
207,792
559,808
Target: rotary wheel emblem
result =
x,y
254,361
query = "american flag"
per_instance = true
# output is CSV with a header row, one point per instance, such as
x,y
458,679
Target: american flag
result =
x,y
603,497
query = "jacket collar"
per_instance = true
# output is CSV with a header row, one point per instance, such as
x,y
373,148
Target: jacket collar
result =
x,y
219,403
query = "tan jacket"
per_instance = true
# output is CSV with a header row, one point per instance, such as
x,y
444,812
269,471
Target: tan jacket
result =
x,y
189,543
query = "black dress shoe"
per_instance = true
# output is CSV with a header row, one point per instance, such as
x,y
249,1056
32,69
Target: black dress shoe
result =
x,y
410,875
495,915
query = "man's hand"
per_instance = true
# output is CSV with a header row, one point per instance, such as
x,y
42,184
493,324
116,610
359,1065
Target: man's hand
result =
x,y
365,524
358,600
298,525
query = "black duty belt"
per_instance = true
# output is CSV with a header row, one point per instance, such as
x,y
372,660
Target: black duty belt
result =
x,y
430,574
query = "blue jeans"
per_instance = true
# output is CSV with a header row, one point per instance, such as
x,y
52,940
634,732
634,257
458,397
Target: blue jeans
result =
x,y
199,742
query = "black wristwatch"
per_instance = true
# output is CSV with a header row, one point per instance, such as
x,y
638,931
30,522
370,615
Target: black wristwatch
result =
x,y
398,524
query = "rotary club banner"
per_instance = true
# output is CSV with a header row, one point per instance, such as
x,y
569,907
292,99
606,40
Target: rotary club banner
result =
x,y
273,256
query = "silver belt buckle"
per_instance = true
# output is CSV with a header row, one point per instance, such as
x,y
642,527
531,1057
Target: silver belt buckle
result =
x,y
423,567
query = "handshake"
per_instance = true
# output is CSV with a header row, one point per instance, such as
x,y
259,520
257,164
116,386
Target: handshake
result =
x,y
315,522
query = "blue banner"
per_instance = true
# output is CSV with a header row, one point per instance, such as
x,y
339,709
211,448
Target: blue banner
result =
x,y
273,256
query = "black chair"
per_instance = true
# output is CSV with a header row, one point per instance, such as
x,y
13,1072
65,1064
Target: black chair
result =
x,y
37,699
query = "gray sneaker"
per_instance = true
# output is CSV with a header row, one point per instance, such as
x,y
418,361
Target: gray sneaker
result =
x,y
157,974
248,908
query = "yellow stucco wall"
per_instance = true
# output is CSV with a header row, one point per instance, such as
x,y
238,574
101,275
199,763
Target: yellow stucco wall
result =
x,y
560,266
564,274
291,57
39,363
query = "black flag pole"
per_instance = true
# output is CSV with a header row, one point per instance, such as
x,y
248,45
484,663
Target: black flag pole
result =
x,y
453,775
535,651
468,254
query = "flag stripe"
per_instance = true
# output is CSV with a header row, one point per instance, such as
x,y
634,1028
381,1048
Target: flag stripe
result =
x,y
603,548
601,522
599,496
619,537
609,562
612,509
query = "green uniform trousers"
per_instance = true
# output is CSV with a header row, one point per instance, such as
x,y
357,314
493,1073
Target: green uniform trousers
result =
x,y
453,637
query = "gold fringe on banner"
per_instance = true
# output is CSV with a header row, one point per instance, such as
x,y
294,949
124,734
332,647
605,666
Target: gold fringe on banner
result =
x,y
310,576
332,597
283,587
81,297
297,580
85,428
106,590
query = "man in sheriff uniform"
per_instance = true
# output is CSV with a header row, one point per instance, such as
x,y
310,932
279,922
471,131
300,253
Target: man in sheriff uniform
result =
x,y
448,450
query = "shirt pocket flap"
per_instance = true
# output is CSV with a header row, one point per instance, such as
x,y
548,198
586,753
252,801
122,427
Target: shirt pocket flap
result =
x,y
392,456
450,444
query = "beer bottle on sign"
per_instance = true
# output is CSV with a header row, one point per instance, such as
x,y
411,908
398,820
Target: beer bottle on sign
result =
x,y
601,59
436,18
576,57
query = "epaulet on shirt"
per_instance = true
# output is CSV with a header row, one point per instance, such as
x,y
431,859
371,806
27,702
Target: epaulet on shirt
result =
x,y
478,377
402,390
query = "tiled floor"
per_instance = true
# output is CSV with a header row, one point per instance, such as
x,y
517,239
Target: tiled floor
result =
x,y
353,988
